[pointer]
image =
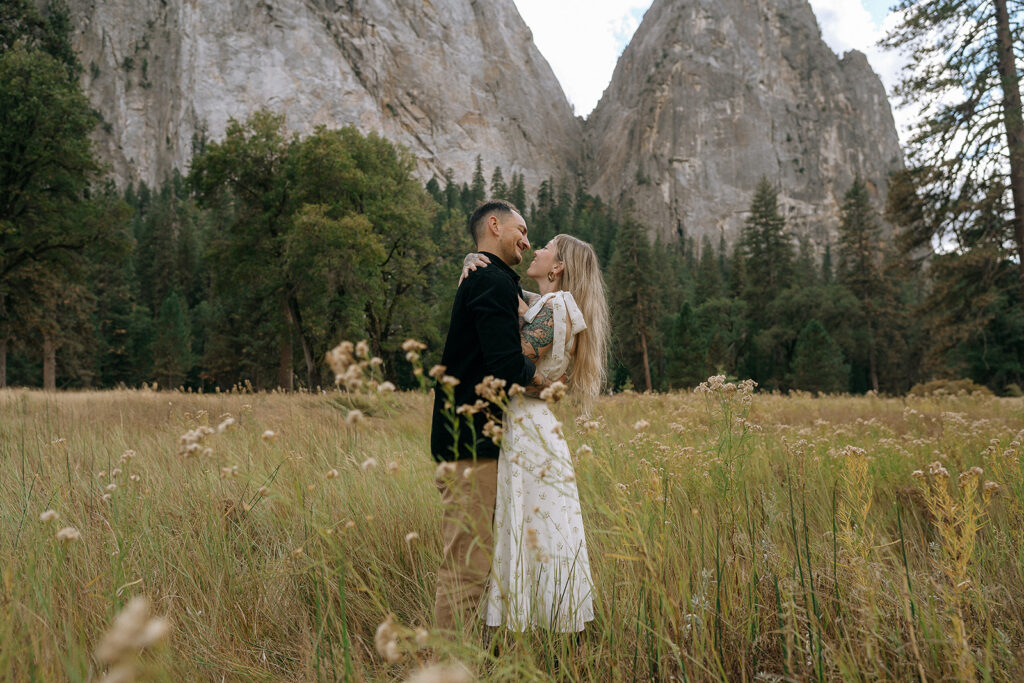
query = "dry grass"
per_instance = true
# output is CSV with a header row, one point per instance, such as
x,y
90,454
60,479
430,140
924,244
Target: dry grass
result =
x,y
777,540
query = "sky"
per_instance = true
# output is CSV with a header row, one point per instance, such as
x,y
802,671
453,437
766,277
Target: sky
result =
x,y
582,39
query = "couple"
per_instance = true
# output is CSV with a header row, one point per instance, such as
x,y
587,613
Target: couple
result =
x,y
511,510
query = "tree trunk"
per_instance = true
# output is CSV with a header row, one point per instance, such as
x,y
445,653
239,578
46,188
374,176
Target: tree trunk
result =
x,y
3,362
307,346
49,363
647,362
1014,121
285,369
872,361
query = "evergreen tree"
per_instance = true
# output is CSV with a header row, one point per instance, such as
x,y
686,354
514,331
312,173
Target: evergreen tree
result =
x,y
172,353
499,190
708,281
633,300
818,364
517,192
968,147
478,190
860,269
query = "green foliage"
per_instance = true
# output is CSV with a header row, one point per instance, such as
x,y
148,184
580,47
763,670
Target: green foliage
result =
x,y
633,300
172,353
818,362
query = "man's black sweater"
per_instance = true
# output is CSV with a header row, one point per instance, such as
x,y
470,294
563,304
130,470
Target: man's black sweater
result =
x,y
483,339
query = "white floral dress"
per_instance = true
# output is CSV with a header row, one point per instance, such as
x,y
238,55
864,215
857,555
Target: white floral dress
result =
x,y
540,573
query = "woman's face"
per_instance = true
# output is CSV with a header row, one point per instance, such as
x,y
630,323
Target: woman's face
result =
x,y
544,261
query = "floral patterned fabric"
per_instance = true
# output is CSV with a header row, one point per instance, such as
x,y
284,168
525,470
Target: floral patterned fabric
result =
x,y
540,574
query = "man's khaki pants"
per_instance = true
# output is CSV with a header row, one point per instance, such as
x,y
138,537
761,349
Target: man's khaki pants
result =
x,y
468,496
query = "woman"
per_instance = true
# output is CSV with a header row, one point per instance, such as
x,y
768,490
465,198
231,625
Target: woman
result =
x,y
540,573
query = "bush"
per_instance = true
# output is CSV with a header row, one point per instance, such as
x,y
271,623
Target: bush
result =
x,y
949,387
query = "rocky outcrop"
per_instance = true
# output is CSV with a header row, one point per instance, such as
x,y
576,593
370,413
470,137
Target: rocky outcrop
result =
x,y
449,79
711,95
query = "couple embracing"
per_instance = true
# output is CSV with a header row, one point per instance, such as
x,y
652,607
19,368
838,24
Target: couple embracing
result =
x,y
514,547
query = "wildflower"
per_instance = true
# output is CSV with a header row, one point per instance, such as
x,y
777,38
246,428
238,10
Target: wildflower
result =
x,y
106,497
584,450
298,552
133,630
128,455
349,524
641,425
917,474
532,543
437,371
269,435
362,349
449,381
622,487
385,387
422,637
229,472
412,356
227,423
392,467
444,470
439,673
332,474
494,431
471,409
136,478
69,534
937,470
990,487
490,388
111,487
354,417
368,463
48,516
515,390
413,345
263,492
376,362
386,640
591,425
555,392
412,536
971,475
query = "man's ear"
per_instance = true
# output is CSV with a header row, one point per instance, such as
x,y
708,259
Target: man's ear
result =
x,y
492,225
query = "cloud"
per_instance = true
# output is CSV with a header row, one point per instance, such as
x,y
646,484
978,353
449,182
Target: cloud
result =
x,y
582,41
847,25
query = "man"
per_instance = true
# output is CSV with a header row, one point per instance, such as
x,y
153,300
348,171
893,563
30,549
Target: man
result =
x,y
483,339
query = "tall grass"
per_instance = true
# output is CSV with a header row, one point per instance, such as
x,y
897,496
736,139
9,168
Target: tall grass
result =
x,y
732,536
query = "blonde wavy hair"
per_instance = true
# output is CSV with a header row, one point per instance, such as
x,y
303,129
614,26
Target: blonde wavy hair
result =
x,y
582,278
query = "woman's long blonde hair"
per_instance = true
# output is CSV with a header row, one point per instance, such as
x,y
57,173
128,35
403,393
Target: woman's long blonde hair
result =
x,y
582,278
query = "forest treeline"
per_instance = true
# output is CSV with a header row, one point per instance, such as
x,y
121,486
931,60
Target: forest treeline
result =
x,y
273,248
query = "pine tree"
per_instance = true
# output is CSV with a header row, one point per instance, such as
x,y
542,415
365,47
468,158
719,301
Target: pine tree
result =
x,y
517,194
968,148
818,363
499,190
478,190
860,268
172,352
634,299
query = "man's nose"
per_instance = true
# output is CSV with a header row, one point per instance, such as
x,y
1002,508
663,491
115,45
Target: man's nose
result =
x,y
525,244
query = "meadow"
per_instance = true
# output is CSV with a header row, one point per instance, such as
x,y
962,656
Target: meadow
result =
x,y
734,535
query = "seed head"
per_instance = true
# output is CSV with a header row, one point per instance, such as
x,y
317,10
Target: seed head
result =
x,y
269,435
413,345
227,423
412,536
437,372
385,387
263,491
368,463
363,349
69,534
48,516
392,467
111,487
332,474
555,392
641,425
386,640
354,417
584,450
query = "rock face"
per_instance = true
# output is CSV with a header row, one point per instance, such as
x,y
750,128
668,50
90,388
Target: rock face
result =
x,y
449,79
711,95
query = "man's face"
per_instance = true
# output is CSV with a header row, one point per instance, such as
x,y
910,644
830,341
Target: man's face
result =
x,y
512,236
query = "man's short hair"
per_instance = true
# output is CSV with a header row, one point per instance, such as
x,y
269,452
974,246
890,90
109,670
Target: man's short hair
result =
x,y
486,208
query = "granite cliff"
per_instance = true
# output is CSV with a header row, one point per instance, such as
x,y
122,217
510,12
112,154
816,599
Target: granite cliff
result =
x,y
449,79
711,95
